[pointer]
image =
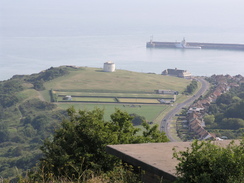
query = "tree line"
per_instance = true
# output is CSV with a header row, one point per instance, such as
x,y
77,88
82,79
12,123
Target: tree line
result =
x,y
191,87
227,112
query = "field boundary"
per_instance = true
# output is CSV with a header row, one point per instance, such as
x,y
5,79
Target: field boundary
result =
x,y
119,100
114,99
83,96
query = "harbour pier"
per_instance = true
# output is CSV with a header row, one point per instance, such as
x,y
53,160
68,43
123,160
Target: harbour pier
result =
x,y
195,45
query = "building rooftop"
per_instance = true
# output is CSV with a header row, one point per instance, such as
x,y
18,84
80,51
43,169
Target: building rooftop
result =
x,y
156,158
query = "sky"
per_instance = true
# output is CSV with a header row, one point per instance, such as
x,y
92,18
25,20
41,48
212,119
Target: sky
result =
x,y
33,33
55,17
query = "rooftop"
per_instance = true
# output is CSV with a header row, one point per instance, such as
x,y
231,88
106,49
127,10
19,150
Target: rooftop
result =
x,y
156,158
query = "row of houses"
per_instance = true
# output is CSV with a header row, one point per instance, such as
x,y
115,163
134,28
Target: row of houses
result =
x,y
198,109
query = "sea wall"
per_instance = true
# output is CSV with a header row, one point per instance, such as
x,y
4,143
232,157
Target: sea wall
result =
x,y
221,46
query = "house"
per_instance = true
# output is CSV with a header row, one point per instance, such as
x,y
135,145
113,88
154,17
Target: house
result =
x,y
177,73
167,92
195,109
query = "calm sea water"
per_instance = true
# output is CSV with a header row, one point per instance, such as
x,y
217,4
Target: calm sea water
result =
x,y
37,35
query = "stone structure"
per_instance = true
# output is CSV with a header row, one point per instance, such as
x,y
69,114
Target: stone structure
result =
x,y
108,67
156,159
176,72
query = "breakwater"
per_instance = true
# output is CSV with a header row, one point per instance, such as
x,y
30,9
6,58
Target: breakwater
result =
x,y
189,45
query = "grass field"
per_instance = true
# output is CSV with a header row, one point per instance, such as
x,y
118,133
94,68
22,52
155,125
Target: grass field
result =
x,y
109,94
93,82
150,112
111,99
89,99
138,100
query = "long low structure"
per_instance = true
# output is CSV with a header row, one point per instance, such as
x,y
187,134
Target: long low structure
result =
x,y
194,45
155,158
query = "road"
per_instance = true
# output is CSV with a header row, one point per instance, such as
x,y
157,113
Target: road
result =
x,y
166,122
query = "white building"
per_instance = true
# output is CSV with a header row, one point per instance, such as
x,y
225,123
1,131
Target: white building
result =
x,y
109,67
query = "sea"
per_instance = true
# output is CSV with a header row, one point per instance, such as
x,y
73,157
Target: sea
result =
x,y
37,35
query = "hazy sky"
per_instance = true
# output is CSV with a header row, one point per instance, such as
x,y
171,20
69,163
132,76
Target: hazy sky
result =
x,y
38,34
60,17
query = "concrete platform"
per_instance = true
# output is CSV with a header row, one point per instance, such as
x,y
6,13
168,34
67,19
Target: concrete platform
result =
x,y
156,158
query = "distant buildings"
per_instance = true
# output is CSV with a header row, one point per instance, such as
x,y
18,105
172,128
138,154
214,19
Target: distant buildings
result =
x,y
166,92
199,108
177,73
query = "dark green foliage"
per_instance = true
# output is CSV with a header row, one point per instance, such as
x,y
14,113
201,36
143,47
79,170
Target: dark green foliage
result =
x,y
209,119
152,134
35,105
4,136
225,98
53,96
80,143
14,152
52,73
10,86
207,162
38,79
8,100
137,120
228,113
29,131
39,123
236,110
20,143
24,122
213,109
38,85
191,87
241,95
8,90
232,123
4,132
228,110
17,139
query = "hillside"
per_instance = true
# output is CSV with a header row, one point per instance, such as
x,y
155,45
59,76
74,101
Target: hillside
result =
x,y
28,117
94,79
121,89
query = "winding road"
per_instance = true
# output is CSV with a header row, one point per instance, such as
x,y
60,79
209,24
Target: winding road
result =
x,y
166,122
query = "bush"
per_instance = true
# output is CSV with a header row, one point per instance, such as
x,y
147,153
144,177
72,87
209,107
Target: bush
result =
x,y
207,162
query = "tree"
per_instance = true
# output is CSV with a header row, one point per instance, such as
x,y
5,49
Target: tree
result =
x,y
38,85
191,87
225,98
81,141
235,111
4,132
207,162
137,120
231,123
209,119
213,109
39,122
8,100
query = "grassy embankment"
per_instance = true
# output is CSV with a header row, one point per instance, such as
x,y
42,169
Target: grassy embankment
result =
x,y
95,84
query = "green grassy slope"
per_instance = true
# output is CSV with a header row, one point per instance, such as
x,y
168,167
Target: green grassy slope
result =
x,y
93,79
